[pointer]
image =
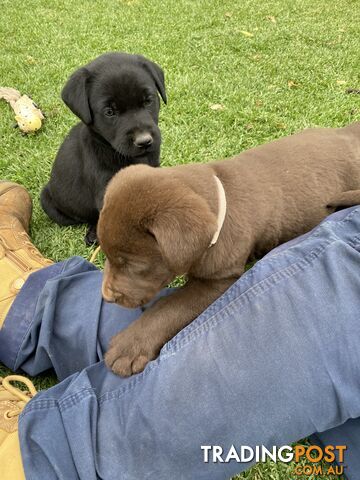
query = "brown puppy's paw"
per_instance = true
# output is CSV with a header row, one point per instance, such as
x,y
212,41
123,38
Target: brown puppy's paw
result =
x,y
128,354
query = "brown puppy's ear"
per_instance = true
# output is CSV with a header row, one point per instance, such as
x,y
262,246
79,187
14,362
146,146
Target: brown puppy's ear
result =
x,y
183,231
75,94
157,74
345,199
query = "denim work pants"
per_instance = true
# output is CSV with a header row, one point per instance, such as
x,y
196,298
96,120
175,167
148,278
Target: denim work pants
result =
x,y
276,358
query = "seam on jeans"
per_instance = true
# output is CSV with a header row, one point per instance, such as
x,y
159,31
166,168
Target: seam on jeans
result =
x,y
216,317
39,405
351,214
345,219
74,398
62,404
354,242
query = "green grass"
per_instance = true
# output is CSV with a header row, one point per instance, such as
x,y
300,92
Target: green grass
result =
x,y
291,73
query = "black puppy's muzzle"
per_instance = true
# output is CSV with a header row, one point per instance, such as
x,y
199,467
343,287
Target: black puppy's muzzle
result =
x,y
143,140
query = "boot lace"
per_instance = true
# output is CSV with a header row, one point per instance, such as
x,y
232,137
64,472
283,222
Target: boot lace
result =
x,y
14,399
33,250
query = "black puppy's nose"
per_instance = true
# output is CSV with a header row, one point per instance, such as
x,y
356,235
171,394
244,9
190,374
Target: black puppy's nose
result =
x,y
143,140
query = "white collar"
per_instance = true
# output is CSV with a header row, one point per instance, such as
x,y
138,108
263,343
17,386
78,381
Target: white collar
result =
x,y
222,210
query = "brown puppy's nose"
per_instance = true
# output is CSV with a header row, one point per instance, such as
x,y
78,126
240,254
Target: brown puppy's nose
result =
x,y
143,140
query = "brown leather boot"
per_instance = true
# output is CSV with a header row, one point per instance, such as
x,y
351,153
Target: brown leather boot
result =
x,y
18,256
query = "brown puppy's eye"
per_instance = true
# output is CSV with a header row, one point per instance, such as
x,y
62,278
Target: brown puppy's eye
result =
x,y
140,269
120,262
109,112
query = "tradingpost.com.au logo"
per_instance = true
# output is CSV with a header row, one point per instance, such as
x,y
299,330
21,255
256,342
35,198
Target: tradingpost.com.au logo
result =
x,y
286,454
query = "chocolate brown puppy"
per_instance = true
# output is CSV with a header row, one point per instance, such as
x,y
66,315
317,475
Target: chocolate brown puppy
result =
x,y
207,221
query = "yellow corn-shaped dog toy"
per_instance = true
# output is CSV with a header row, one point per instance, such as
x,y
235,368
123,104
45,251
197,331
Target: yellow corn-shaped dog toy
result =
x,y
27,115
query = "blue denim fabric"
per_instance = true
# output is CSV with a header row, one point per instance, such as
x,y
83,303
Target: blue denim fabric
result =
x,y
60,321
274,359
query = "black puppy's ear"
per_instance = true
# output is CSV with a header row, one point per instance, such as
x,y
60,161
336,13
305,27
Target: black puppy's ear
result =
x,y
75,94
157,75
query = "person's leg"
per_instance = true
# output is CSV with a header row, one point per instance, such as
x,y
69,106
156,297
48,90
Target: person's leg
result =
x,y
60,321
18,259
274,359
36,351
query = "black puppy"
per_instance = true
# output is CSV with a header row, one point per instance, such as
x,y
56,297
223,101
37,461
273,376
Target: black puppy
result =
x,y
116,98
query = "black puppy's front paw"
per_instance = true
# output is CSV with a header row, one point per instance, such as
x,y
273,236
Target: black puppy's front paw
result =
x,y
91,237
129,353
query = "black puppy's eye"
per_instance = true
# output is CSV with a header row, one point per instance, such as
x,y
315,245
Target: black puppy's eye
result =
x,y
148,101
109,112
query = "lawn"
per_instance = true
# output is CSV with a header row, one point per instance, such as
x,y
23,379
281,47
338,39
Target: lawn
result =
x,y
238,74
